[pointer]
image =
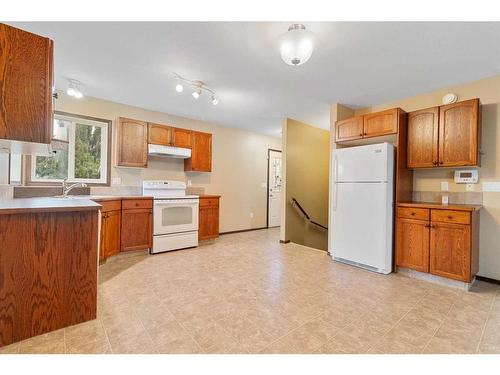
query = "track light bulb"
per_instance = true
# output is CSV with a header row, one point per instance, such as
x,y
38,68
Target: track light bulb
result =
x,y
179,88
215,101
196,94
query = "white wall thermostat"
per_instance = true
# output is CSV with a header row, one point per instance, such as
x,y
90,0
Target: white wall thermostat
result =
x,y
466,176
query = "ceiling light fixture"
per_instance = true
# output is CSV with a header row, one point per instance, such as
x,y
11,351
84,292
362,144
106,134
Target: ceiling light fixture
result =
x,y
198,87
296,45
74,88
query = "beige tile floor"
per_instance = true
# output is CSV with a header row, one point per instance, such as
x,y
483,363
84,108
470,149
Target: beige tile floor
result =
x,y
246,293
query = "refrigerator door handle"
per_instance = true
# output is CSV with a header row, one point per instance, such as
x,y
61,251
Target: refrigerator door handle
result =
x,y
335,169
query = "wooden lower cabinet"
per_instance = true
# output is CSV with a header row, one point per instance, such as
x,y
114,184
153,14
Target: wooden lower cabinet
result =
x,y
444,242
413,244
450,251
110,234
126,225
136,229
208,219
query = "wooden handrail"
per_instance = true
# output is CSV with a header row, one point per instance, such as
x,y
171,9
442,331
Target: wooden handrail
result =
x,y
295,203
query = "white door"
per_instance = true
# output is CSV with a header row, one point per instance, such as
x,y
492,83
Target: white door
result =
x,y
364,163
274,188
362,224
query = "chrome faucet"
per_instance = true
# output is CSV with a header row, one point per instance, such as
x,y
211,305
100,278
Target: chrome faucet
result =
x,y
66,189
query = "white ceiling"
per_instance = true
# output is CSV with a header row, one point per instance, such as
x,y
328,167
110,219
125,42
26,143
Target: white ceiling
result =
x,y
358,64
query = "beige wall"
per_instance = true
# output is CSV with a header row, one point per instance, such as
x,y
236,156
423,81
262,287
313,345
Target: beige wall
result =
x,y
488,90
306,157
239,161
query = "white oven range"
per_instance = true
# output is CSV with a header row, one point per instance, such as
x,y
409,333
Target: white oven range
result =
x,y
175,215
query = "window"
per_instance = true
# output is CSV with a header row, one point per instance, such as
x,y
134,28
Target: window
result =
x,y
80,147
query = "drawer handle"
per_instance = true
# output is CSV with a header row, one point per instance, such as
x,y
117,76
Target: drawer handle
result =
x,y
412,214
450,217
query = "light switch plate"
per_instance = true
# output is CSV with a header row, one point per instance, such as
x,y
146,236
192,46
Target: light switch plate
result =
x,y
189,183
444,186
469,187
493,186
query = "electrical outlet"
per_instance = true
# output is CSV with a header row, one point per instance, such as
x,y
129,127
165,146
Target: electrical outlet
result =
x,y
189,183
469,187
444,186
251,215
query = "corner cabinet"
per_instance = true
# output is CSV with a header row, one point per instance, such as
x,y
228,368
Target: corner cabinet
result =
x,y
445,136
27,71
371,125
441,240
201,153
208,218
132,143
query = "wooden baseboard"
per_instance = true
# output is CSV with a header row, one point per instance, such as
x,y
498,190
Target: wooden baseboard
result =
x,y
488,280
242,230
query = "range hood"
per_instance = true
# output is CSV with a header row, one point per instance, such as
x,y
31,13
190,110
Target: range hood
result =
x,y
169,151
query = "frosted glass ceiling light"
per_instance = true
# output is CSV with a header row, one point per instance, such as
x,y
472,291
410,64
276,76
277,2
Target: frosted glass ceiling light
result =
x,y
296,45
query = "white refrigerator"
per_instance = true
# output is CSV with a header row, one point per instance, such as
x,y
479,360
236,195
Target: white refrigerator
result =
x,y
361,206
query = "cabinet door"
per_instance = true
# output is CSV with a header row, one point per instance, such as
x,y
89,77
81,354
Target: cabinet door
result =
x,y
26,71
102,239
412,244
459,134
208,222
159,134
182,137
381,123
201,153
132,143
450,252
423,133
112,233
351,128
136,233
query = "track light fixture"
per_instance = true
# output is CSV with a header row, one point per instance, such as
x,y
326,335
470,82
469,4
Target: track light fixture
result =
x,y
74,88
198,88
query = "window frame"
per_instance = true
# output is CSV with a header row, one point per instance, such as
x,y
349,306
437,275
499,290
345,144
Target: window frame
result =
x,y
105,180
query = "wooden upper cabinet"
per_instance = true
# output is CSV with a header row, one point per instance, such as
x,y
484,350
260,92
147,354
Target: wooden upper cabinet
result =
x,y
201,153
412,247
182,137
351,128
26,81
159,134
132,143
450,251
459,132
381,123
423,126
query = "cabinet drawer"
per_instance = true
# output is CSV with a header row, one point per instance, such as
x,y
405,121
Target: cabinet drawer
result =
x,y
130,204
209,202
413,213
450,216
110,205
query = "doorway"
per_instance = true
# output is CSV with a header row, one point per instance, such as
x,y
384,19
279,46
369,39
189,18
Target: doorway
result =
x,y
274,184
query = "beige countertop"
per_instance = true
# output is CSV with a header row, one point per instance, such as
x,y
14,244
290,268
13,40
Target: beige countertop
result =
x,y
460,207
28,205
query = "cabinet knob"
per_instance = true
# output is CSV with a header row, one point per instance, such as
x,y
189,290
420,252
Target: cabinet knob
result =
x,y
435,162
360,134
441,162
